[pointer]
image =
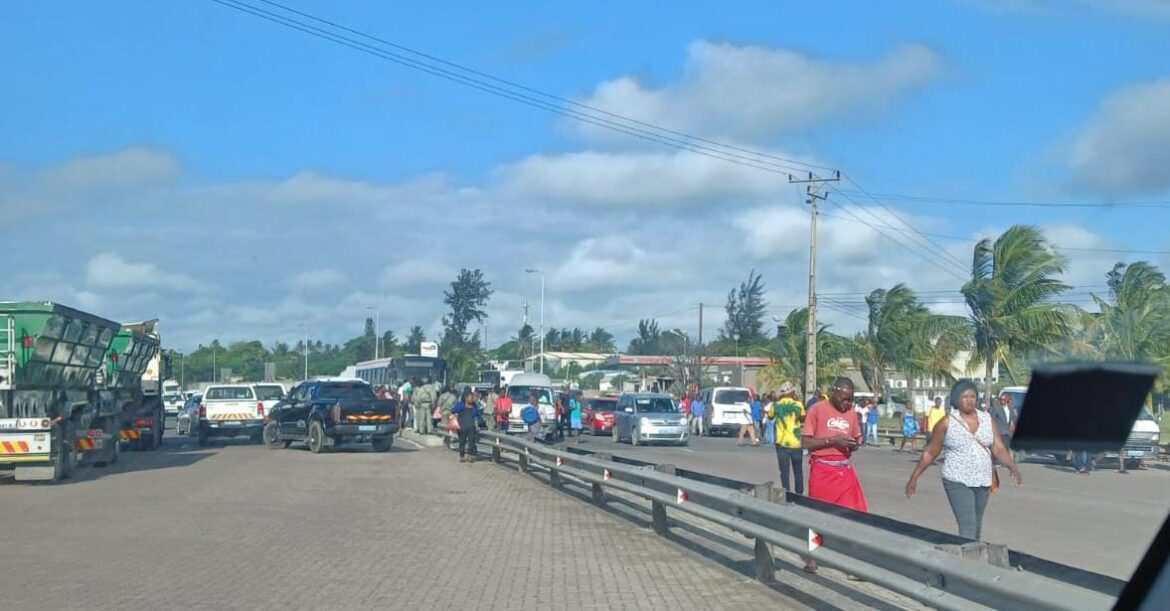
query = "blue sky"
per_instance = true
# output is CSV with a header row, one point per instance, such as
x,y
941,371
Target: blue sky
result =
x,y
185,160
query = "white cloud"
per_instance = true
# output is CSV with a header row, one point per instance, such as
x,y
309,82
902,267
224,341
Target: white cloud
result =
x,y
1125,148
125,169
606,261
751,92
418,271
318,279
635,178
111,271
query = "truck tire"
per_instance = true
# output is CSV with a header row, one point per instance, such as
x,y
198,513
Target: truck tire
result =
x,y
383,444
634,434
66,459
203,440
318,443
271,436
616,438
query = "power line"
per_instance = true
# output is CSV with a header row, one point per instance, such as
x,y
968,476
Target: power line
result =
x,y
476,80
916,199
925,258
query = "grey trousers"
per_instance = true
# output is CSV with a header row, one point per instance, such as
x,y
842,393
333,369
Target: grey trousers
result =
x,y
967,504
422,417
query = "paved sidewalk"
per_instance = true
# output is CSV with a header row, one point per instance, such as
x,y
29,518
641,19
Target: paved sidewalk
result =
x,y
245,527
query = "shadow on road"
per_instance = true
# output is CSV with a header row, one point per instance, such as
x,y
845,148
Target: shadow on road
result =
x,y
173,454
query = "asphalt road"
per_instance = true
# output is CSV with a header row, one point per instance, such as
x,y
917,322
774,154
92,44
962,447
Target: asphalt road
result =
x,y
1102,522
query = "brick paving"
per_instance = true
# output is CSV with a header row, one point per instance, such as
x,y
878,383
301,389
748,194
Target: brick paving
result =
x,y
243,527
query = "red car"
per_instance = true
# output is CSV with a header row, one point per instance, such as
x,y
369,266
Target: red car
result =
x,y
597,415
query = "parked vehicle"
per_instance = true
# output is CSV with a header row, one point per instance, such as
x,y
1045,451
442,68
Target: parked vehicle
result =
x,y
269,394
727,408
188,415
72,386
523,386
173,402
325,414
229,410
648,417
597,415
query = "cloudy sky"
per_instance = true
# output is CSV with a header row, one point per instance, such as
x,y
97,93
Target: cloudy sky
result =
x,y
234,178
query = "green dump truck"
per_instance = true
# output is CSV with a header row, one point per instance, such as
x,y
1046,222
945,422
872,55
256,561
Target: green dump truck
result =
x,y
71,387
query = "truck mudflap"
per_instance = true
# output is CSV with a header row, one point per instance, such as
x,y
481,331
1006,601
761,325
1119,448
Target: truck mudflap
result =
x,y
129,435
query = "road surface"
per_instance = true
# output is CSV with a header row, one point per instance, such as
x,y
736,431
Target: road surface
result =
x,y
1102,522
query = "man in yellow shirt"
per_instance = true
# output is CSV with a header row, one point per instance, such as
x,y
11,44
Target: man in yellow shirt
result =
x,y
788,414
933,416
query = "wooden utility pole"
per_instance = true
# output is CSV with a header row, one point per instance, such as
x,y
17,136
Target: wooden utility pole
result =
x,y
813,190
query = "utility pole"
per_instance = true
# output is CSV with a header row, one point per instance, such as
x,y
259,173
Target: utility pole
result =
x,y
699,351
813,190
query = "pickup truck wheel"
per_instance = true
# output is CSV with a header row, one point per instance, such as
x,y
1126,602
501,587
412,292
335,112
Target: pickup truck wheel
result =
x,y
634,435
317,442
203,440
271,434
66,460
615,433
383,444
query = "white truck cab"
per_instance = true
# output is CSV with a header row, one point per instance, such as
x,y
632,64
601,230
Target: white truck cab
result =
x,y
523,386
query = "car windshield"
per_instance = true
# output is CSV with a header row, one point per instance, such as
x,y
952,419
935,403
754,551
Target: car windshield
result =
x,y
602,405
520,394
655,405
229,392
732,396
346,391
266,393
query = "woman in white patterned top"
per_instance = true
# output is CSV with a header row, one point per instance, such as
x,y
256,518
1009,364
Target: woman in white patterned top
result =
x,y
968,439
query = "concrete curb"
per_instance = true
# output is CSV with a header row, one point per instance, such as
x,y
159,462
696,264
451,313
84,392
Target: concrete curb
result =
x,y
426,441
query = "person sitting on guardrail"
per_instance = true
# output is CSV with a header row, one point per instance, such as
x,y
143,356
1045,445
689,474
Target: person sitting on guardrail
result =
x,y
503,409
468,414
967,438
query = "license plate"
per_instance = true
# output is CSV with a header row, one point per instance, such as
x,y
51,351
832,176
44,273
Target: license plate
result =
x,y
233,423
367,428
1135,453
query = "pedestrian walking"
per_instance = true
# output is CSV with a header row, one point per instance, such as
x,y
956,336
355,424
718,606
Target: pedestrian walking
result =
x,y
871,424
697,411
1004,417
768,425
575,417
467,414
503,410
405,396
1082,461
909,429
787,415
424,406
967,439
751,412
831,433
489,406
934,415
530,414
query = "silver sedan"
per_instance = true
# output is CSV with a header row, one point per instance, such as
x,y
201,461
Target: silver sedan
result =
x,y
188,415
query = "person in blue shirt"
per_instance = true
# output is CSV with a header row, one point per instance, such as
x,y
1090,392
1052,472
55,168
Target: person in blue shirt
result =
x,y
909,429
697,410
871,422
468,414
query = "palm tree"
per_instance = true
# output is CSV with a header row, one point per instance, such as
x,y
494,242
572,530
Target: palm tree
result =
x,y
1134,323
791,349
1014,281
601,340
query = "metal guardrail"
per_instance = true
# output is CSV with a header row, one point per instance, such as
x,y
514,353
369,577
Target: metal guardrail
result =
x,y
912,567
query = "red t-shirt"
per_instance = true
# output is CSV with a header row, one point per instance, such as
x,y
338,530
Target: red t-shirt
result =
x,y
503,408
824,421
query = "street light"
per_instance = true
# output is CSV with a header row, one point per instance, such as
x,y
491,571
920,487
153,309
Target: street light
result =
x,y
377,326
537,271
738,364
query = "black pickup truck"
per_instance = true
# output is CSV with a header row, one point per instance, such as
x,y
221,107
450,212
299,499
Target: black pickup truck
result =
x,y
325,413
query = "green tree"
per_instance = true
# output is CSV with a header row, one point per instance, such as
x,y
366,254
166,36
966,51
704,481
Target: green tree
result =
x,y
791,348
1011,294
414,340
467,298
745,312
601,340
647,340
1134,319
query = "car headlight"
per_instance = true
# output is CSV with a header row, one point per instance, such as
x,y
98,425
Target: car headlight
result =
x,y
644,421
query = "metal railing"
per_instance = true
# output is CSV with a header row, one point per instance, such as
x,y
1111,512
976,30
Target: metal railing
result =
x,y
936,575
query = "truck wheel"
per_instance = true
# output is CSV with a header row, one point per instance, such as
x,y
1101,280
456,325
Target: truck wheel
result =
x,y
615,433
66,460
317,442
634,435
257,437
383,444
271,435
203,440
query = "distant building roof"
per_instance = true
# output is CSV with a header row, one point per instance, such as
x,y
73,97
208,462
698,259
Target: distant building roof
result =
x,y
709,361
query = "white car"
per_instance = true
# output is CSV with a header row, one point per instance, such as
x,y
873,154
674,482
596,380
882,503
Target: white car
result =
x,y
728,408
172,403
230,410
269,394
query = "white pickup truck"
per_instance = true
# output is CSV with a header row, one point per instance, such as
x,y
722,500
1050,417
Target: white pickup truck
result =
x,y
230,410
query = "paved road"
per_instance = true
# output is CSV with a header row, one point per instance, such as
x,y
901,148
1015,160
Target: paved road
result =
x,y
1102,522
240,526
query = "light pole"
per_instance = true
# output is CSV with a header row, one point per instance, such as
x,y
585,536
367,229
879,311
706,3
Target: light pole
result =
x,y
738,364
537,271
305,349
182,371
377,326
214,374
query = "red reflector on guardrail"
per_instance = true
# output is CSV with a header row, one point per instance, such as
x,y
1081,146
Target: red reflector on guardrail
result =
x,y
606,475
682,496
814,540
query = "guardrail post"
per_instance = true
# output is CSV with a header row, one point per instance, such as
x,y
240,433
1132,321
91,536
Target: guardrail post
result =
x,y
522,461
554,475
598,491
658,510
497,456
763,563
